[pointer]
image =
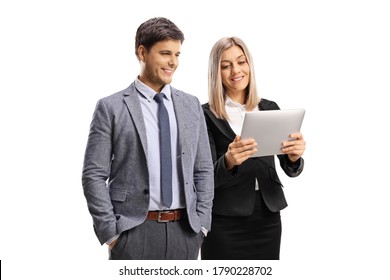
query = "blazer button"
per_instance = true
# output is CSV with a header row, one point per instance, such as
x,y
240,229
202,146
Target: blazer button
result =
x,y
146,192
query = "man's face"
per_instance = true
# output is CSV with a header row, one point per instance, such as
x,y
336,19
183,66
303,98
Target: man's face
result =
x,y
159,63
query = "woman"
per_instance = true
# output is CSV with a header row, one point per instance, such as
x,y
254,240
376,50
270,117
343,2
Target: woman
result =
x,y
248,193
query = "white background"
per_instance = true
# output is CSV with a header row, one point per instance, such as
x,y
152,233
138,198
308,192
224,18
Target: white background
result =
x,y
57,58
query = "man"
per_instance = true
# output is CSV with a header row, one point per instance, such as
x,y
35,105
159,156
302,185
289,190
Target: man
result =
x,y
136,209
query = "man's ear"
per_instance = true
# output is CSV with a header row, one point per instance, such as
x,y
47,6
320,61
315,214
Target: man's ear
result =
x,y
141,51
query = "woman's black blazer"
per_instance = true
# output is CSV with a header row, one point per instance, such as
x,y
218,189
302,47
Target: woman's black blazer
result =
x,y
235,189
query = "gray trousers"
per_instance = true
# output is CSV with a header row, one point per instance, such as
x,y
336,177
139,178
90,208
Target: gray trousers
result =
x,y
158,241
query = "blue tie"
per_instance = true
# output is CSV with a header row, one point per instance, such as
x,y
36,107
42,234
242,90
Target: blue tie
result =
x,y
165,151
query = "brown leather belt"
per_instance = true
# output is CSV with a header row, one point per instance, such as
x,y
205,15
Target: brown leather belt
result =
x,y
166,216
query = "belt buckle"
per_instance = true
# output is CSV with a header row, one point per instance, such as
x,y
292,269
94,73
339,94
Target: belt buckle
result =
x,y
159,217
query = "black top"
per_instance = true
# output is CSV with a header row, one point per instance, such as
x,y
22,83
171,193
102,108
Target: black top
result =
x,y
235,189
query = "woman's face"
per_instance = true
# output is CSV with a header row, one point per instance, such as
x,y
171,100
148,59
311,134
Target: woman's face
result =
x,y
235,71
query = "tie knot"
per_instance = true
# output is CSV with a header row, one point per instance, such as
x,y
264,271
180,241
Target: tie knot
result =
x,y
159,97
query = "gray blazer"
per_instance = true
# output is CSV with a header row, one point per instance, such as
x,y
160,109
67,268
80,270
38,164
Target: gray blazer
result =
x,y
115,175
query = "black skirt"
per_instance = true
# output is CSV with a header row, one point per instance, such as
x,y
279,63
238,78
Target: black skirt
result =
x,y
255,237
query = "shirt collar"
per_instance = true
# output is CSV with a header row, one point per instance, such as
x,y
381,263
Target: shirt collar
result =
x,y
231,103
148,93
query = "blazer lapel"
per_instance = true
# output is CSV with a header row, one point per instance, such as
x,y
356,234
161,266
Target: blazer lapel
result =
x,y
222,125
180,112
133,105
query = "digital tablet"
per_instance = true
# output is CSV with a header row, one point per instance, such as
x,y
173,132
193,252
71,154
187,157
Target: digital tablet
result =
x,y
271,128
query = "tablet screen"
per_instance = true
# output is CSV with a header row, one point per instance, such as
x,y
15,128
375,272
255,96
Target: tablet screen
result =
x,y
270,128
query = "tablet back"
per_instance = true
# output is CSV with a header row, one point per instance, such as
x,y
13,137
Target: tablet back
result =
x,y
271,128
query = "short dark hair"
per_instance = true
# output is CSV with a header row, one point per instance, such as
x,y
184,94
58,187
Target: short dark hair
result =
x,y
155,30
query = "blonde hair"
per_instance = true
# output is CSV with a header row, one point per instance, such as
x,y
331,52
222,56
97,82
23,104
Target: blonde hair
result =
x,y
217,92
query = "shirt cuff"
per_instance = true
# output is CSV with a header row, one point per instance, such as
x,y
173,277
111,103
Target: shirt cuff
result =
x,y
293,167
108,242
204,230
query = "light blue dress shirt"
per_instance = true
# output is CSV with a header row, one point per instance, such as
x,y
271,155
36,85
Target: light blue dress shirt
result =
x,y
149,110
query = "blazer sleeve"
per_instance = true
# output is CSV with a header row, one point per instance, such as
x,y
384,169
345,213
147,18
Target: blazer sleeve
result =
x,y
203,174
221,174
96,170
291,169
